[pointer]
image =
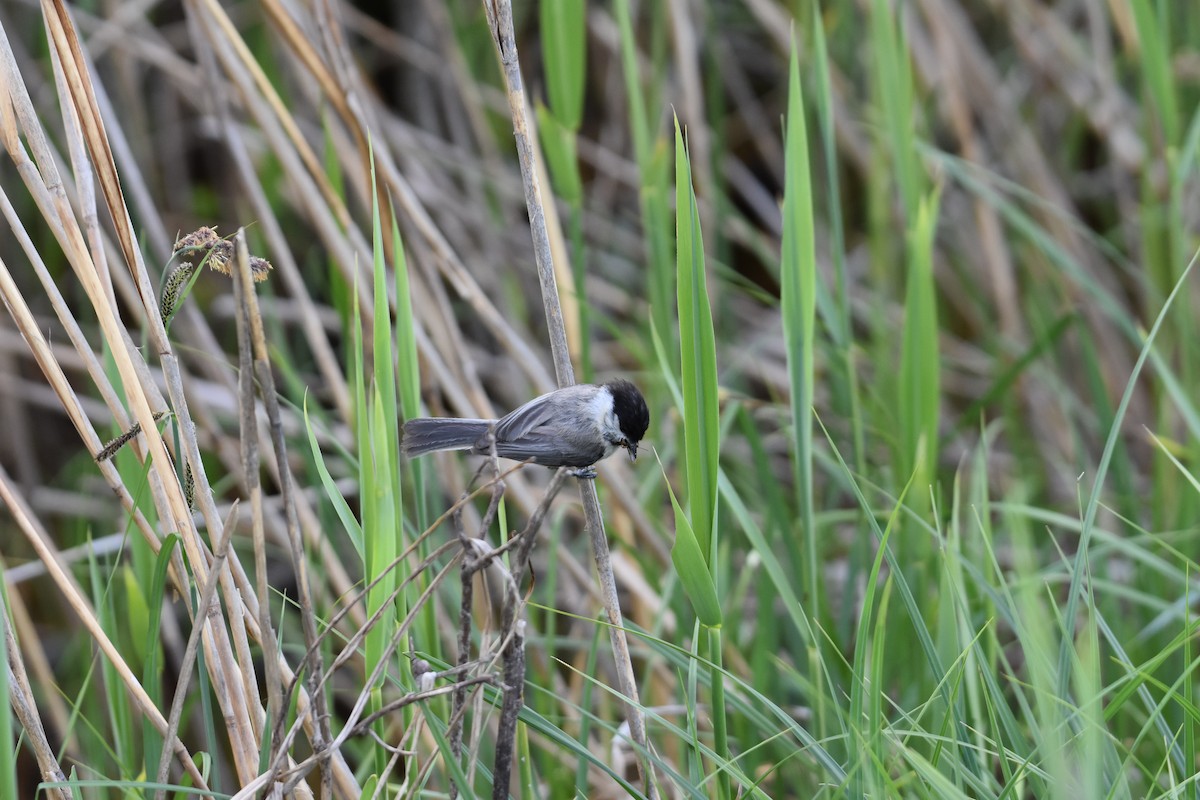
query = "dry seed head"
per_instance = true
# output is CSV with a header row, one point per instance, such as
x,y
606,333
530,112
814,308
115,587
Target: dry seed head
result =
x,y
189,485
170,293
109,450
202,238
220,255
216,252
260,269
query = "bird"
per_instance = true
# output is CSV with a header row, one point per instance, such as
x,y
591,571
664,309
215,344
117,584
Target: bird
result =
x,y
576,426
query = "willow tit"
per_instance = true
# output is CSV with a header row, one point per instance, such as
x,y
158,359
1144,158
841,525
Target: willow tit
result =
x,y
571,427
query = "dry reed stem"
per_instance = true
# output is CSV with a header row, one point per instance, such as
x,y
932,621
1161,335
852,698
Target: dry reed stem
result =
x,y
51,369
499,13
77,81
35,658
57,379
344,92
25,706
289,273
231,53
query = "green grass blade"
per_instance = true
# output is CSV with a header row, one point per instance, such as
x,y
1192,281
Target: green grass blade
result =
x,y
694,575
383,356
698,355
1081,561
654,176
8,742
919,381
840,327
342,508
564,51
1155,63
152,670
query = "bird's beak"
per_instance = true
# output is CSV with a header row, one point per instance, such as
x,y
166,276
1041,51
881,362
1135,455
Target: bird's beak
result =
x,y
632,451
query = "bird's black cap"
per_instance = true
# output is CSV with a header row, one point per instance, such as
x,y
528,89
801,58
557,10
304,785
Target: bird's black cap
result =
x,y
630,408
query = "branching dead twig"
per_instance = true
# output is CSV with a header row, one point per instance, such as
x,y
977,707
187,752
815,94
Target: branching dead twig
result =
x,y
471,565
466,604
353,646
512,626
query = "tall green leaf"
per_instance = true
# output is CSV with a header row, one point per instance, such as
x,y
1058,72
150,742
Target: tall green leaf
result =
x,y
698,355
895,93
798,268
701,433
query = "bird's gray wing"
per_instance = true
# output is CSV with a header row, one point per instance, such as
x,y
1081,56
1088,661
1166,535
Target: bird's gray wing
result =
x,y
520,422
530,432
547,452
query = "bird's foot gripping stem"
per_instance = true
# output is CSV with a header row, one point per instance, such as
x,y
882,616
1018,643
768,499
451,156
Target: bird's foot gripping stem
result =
x,y
584,473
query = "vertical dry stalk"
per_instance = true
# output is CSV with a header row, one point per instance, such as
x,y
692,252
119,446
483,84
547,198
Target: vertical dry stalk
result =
x,y
499,13
476,556
248,429
188,662
312,667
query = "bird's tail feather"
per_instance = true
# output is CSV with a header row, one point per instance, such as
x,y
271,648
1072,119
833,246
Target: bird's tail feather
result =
x,y
426,435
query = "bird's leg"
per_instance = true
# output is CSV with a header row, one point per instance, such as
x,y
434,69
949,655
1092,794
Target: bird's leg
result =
x,y
584,473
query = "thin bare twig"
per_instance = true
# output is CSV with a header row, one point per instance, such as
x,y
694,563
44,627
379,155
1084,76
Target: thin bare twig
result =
x,y
467,602
248,426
